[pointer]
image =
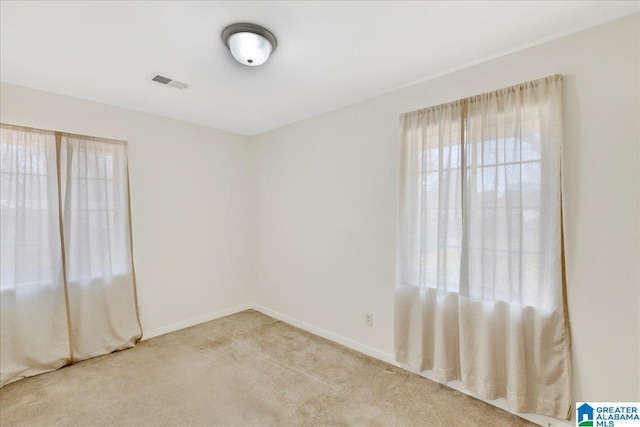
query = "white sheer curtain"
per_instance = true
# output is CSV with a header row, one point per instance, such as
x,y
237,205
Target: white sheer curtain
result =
x,y
67,290
480,294
34,334
95,201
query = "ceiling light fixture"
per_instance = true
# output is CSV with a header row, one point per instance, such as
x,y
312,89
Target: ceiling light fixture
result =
x,y
249,44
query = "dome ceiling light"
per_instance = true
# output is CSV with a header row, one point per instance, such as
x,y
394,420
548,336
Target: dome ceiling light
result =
x,y
249,44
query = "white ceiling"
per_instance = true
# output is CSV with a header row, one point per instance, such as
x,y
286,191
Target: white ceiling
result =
x,y
330,54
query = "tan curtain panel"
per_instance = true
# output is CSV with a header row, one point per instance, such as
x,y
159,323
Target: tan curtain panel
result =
x,y
34,334
68,290
480,286
95,211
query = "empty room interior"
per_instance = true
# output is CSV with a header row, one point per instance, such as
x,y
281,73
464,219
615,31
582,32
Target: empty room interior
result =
x,y
320,213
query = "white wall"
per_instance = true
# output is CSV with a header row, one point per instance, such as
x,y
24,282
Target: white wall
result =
x,y
327,190
191,189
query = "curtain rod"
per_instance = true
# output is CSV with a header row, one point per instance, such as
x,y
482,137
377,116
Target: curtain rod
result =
x,y
68,134
492,94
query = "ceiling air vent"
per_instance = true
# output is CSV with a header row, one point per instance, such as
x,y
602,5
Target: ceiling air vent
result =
x,y
167,81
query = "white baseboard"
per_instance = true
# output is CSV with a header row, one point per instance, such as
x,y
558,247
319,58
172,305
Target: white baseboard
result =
x,y
355,345
194,321
390,358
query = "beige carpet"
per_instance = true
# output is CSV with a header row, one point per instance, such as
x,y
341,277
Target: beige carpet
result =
x,y
242,370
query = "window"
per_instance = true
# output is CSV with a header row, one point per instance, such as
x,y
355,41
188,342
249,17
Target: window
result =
x,y
29,209
480,288
474,223
95,196
67,283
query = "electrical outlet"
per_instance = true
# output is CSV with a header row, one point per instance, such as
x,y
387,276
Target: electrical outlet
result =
x,y
368,319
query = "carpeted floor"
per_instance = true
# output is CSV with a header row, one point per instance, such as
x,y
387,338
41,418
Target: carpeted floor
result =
x,y
242,370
